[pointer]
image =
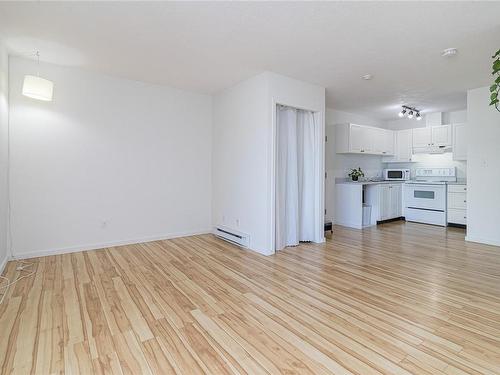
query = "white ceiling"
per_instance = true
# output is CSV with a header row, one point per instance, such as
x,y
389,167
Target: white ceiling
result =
x,y
208,46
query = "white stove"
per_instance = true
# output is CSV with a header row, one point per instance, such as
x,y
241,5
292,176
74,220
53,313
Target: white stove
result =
x,y
425,197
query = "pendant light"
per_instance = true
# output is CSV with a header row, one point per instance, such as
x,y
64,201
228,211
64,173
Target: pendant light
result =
x,y
36,87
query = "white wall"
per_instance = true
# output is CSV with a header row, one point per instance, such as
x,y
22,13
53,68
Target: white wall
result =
x,y
3,155
483,180
243,151
339,165
239,160
107,161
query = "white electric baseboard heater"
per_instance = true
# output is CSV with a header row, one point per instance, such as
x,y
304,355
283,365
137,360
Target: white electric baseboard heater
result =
x,y
233,236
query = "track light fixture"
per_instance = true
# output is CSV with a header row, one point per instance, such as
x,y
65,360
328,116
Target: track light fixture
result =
x,y
410,112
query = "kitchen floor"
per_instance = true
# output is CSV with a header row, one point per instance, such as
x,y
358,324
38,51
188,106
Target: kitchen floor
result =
x,y
399,298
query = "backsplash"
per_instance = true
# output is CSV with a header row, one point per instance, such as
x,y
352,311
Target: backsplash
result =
x,y
433,161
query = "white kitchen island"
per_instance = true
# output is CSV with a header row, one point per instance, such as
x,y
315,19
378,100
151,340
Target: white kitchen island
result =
x,y
384,197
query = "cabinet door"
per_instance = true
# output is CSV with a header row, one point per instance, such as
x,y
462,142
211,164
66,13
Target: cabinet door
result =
x,y
389,142
385,201
396,201
422,137
459,142
356,138
404,145
441,135
377,137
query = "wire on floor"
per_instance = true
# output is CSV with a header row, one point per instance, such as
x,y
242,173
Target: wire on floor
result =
x,y
24,269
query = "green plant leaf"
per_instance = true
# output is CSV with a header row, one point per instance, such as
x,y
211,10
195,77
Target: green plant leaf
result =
x,y
496,54
497,81
493,96
493,87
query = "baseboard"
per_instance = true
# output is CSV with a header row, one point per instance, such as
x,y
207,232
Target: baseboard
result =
x,y
486,241
3,264
349,225
77,248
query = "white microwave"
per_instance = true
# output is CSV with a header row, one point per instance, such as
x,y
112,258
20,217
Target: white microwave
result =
x,y
396,174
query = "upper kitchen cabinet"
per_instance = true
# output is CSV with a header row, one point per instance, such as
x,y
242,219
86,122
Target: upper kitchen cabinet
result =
x,y
433,137
459,142
361,139
422,137
403,147
441,135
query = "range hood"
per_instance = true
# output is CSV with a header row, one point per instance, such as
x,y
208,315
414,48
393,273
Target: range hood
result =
x,y
431,150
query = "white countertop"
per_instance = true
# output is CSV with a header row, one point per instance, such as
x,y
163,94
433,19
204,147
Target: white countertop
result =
x,y
460,181
350,182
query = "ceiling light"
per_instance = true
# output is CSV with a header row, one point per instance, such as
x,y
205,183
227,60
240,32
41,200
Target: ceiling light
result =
x,y
409,112
36,87
367,77
449,52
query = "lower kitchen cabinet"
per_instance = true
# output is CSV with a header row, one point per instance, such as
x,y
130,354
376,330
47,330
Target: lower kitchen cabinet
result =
x,y
390,201
457,204
385,200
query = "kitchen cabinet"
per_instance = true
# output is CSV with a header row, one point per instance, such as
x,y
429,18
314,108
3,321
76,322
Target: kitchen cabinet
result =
x,y
459,142
403,144
457,204
361,139
432,137
422,137
390,201
441,135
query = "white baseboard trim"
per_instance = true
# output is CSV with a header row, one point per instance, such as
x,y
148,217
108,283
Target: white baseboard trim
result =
x,y
487,241
78,248
3,263
349,225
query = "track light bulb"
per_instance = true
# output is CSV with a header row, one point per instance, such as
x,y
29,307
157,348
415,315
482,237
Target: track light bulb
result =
x,y
410,114
402,113
418,116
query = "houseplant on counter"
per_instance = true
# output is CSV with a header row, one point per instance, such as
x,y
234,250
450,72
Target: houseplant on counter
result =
x,y
355,174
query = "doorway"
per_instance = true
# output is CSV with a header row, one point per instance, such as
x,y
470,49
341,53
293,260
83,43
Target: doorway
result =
x,y
296,177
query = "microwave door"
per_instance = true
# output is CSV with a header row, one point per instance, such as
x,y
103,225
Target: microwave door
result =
x,y
395,175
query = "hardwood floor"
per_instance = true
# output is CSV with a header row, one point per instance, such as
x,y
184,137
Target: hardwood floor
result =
x,y
398,299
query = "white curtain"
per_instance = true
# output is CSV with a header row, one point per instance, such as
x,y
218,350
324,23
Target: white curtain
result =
x,y
295,177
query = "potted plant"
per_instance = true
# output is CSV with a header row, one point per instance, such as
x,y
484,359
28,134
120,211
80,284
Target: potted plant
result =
x,y
355,174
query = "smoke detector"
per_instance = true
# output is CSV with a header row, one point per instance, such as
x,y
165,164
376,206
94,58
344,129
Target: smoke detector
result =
x,y
367,77
449,52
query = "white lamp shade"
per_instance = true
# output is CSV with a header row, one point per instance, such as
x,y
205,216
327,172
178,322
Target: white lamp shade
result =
x,y
38,88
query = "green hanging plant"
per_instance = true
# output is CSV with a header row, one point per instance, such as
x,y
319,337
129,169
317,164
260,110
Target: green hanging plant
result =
x,y
495,87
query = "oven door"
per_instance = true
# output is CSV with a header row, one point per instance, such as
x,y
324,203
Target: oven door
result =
x,y
428,197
